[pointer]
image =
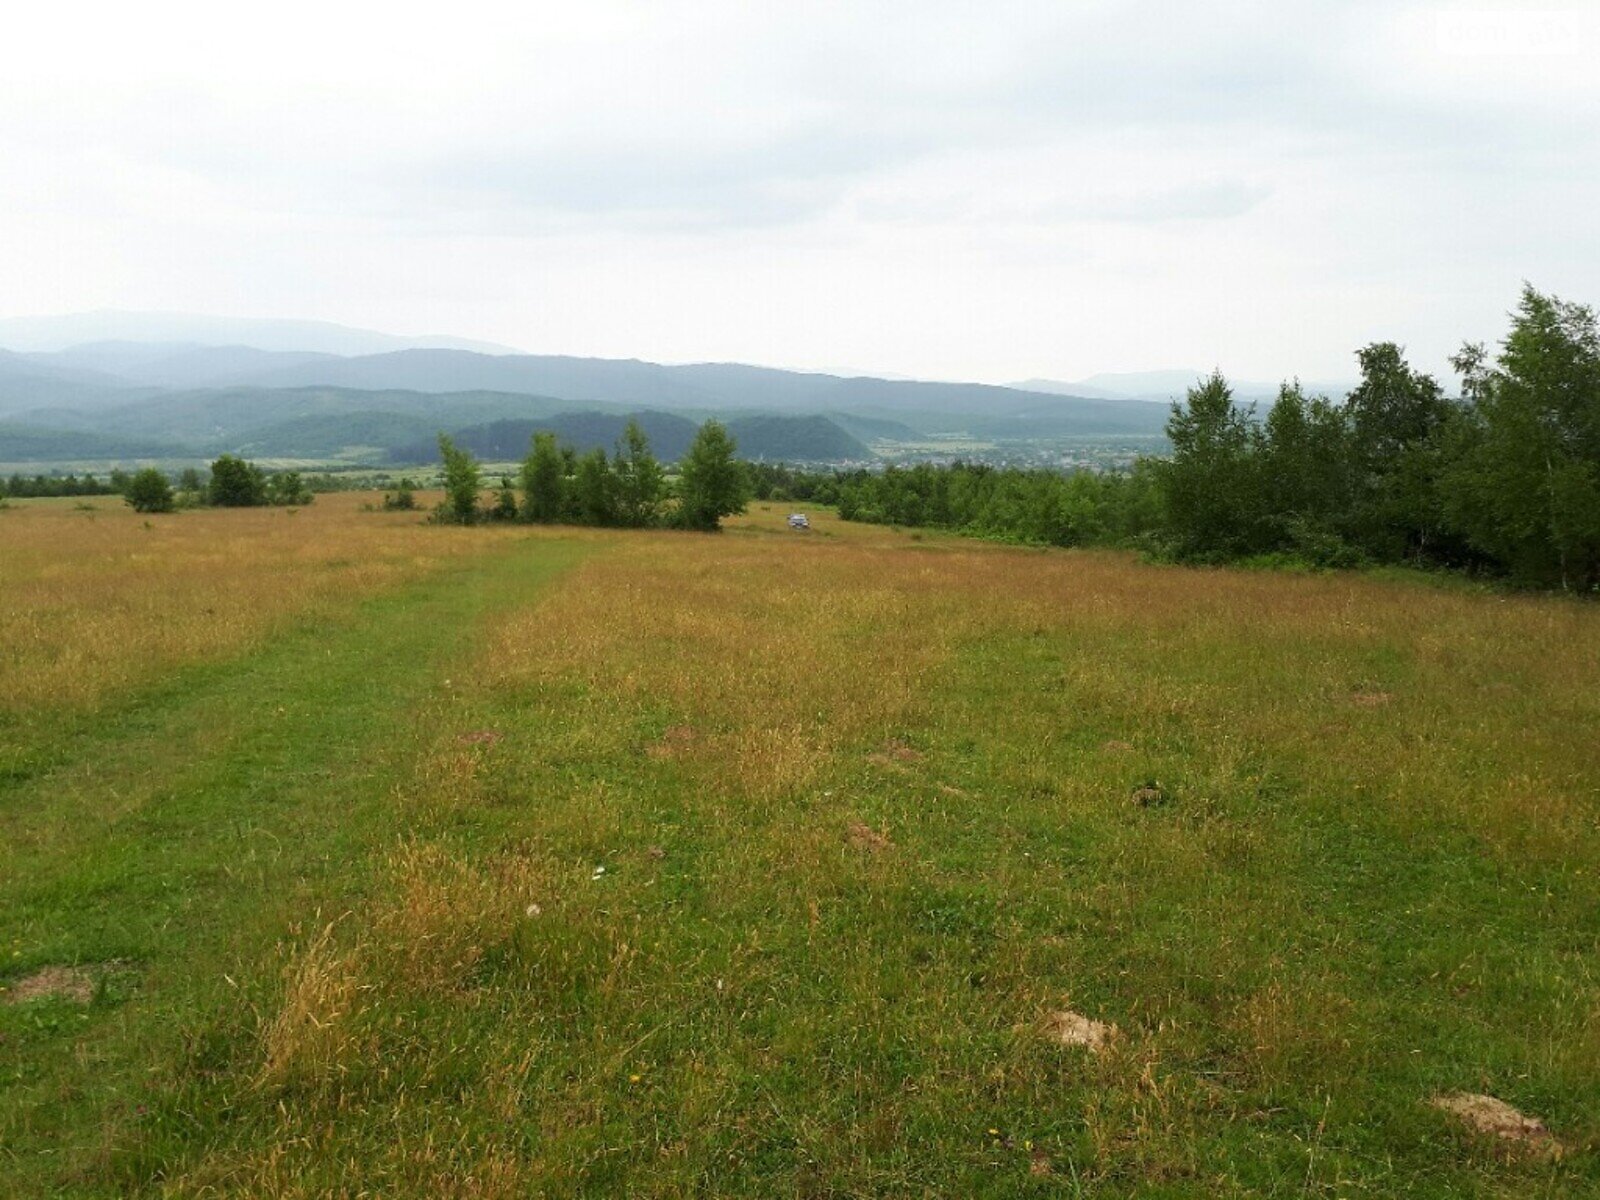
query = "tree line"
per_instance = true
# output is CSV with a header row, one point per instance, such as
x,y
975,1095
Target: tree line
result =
x,y
1502,479
231,482
627,489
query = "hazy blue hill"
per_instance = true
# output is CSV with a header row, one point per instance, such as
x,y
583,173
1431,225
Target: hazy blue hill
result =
x,y
74,329
501,441
615,381
774,438
20,443
795,440
1058,387
870,428
176,364
230,415
1167,386
700,387
337,435
26,384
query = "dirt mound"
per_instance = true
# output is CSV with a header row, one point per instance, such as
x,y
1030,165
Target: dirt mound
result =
x,y
1150,794
1116,746
865,837
1370,698
1488,1115
674,741
480,737
73,984
895,752
1074,1029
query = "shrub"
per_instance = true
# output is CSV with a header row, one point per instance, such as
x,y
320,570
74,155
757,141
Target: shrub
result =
x,y
236,483
462,482
714,485
149,492
404,498
287,487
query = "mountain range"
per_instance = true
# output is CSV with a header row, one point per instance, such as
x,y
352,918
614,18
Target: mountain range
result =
x,y
1166,386
312,391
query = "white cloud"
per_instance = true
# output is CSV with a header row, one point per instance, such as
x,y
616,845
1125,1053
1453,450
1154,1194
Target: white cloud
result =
x,y
935,189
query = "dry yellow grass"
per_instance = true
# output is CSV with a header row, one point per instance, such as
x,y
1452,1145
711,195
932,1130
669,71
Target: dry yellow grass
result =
x,y
765,863
794,705
92,602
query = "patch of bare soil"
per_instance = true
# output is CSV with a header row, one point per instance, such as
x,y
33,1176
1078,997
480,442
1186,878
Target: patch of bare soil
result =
x,y
480,737
674,741
865,837
1074,1029
895,752
1039,1165
1370,699
1149,795
1487,1115
73,984
1116,746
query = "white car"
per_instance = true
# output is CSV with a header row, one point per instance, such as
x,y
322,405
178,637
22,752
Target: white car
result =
x,y
799,521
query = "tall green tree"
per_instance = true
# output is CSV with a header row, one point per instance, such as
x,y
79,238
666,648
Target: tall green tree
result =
x,y
505,501
640,481
236,483
1397,417
594,490
287,487
463,480
544,481
1523,481
150,492
713,484
1209,487
1304,469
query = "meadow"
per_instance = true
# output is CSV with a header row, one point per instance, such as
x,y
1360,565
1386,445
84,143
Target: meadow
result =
x,y
344,855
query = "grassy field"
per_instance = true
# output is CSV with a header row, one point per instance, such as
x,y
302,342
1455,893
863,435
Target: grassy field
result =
x,y
341,855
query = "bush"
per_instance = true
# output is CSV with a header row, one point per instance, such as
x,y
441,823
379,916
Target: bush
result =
x,y
236,483
149,492
287,487
404,498
713,484
462,482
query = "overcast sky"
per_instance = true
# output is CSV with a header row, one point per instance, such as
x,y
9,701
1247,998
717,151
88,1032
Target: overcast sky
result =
x,y
983,191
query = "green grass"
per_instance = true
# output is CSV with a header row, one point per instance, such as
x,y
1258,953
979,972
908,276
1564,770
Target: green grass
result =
x,y
180,833
864,808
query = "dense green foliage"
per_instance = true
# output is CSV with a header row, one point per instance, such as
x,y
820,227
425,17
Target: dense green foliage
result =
x,y
233,483
764,436
628,489
1503,480
462,480
1045,507
150,492
22,487
714,484
544,477
236,483
402,499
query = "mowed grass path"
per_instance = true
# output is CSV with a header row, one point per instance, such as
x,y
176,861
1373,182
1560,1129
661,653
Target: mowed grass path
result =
x,y
759,864
167,838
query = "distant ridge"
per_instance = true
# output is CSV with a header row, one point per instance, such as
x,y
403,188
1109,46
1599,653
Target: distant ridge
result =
x,y
316,391
1169,385
55,333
